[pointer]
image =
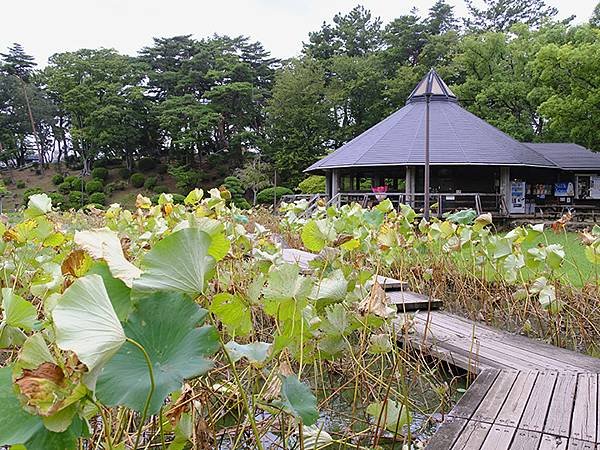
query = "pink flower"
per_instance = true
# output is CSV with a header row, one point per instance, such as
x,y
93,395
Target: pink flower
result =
x,y
379,189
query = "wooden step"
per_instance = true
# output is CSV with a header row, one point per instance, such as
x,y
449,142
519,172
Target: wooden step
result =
x,y
411,301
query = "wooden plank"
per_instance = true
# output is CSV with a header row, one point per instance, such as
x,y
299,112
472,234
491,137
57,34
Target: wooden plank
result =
x,y
473,436
447,434
504,339
498,438
471,399
411,301
576,444
391,284
513,408
525,440
525,353
585,411
550,442
560,412
534,416
490,406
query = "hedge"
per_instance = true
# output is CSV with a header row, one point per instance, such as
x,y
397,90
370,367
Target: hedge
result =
x,y
267,195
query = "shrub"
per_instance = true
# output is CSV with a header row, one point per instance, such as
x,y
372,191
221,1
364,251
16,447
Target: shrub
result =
x,y
57,179
241,203
57,199
64,187
100,172
77,184
162,169
20,184
29,192
185,179
150,183
160,189
93,186
267,195
70,179
76,199
146,164
98,198
115,186
124,173
234,185
314,184
178,198
137,180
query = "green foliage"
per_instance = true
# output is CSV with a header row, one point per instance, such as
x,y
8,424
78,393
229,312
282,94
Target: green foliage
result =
x,y
314,184
146,164
186,179
159,189
20,184
64,187
124,173
269,194
178,199
150,183
77,184
94,186
77,199
98,198
137,180
100,173
58,199
162,169
57,179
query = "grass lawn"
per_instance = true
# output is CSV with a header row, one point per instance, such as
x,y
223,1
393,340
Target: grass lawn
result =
x,y
576,266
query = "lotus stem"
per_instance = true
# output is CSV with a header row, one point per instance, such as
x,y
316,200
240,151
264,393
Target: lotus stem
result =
x,y
149,398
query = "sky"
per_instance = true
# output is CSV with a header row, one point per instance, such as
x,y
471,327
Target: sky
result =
x,y
46,27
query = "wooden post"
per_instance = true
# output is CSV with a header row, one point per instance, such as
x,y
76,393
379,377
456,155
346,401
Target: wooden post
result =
x,y
328,184
426,188
505,188
335,182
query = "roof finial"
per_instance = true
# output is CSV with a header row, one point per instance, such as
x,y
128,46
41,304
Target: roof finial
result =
x,y
431,86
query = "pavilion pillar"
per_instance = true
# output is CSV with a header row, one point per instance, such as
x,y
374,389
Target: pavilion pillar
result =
x,y
410,183
335,182
328,178
505,188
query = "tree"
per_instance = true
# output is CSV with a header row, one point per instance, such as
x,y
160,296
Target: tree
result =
x,y
595,19
404,39
254,175
501,15
441,18
357,33
299,123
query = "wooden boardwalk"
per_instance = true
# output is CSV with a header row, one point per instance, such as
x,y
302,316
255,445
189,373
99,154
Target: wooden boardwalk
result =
x,y
474,347
517,410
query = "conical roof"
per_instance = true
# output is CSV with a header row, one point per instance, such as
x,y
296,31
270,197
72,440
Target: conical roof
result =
x,y
431,86
457,137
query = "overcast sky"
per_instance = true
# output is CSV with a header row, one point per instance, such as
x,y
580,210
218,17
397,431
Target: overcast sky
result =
x,y
45,27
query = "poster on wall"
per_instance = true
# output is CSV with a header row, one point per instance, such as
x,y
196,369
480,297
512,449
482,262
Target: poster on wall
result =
x,y
564,189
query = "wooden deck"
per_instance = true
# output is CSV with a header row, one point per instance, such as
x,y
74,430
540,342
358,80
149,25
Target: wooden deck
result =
x,y
524,410
474,347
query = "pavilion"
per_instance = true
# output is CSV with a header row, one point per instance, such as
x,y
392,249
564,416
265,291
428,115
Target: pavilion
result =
x,y
472,163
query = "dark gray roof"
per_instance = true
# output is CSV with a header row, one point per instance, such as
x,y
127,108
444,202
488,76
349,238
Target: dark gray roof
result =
x,y
457,137
568,156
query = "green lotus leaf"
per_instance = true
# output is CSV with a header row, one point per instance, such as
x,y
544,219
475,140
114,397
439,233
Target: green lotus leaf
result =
x,y
464,217
299,400
390,415
316,234
180,262
165,324
86,323
233,312
18,312
17,426
255,352
118,292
